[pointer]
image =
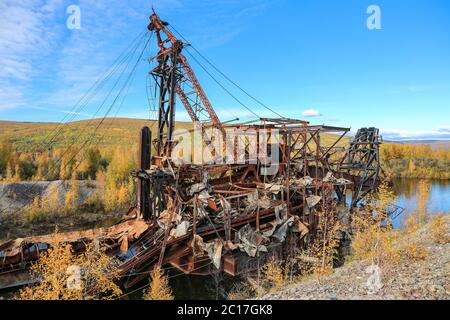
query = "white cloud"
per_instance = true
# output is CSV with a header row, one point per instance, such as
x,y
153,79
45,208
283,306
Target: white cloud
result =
x,y
26,37
44,64
311,113
10,96
442,133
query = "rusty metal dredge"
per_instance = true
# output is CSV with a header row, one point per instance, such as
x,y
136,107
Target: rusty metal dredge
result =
x,y
221,215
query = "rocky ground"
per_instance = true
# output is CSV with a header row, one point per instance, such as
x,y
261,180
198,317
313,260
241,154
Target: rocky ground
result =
x,y
424,279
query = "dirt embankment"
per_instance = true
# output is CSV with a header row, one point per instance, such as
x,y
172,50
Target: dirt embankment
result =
x,y
14,195
423,279
15,223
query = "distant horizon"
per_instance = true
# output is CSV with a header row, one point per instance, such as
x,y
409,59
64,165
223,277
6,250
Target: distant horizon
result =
x,y
351,133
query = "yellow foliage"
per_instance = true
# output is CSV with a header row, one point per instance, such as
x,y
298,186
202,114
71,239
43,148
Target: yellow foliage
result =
x,y
423,195
326,248
9,172
438,229
244,290
159,286
414,251
375,242
53,198
72,197
415,161
273,273
16,177
33,211
62,275
122,194
373,236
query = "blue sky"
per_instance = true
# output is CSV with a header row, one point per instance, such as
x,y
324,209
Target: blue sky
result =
x,y
313,59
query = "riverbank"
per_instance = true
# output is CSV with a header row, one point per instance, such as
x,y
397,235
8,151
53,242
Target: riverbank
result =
x,y
426,278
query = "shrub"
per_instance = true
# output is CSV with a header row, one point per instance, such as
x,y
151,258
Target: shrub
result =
x,y
159,286
274,277
373,236
56,271
438,229
72,197
94,204
242,291
414,251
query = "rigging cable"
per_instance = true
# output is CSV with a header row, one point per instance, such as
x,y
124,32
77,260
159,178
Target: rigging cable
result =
x,y
98,84
120,106
225,76
223,87
89,140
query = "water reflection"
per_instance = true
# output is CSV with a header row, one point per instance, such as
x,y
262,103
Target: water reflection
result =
x,y
431,196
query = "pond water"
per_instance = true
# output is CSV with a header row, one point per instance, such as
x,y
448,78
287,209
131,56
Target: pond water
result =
x,y
407,190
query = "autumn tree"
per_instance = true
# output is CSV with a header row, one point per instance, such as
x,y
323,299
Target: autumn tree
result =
x,y
27,168
415,161
9,175
274,277
63,275
420,216
5,153
53,201
119,186
372,231
72,197
68,162
159,286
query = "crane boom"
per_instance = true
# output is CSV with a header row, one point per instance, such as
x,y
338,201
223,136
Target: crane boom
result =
x,y
173,75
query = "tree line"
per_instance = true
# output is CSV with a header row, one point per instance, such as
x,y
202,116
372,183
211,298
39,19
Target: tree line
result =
x,y
109,168
415,161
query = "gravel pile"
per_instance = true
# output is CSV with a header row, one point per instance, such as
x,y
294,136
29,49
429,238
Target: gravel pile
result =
x,y
424,279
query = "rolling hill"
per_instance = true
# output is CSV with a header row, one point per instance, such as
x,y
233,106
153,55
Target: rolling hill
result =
x,y
30,136
434,144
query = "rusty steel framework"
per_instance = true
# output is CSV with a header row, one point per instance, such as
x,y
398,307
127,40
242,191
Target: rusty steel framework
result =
x,y
206,218
362,159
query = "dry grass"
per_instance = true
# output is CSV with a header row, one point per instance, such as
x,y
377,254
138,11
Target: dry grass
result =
x,y
438,230
245,290
414,251
159,287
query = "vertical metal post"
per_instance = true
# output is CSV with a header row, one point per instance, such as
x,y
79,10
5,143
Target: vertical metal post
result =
x,y
144,158
288,174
